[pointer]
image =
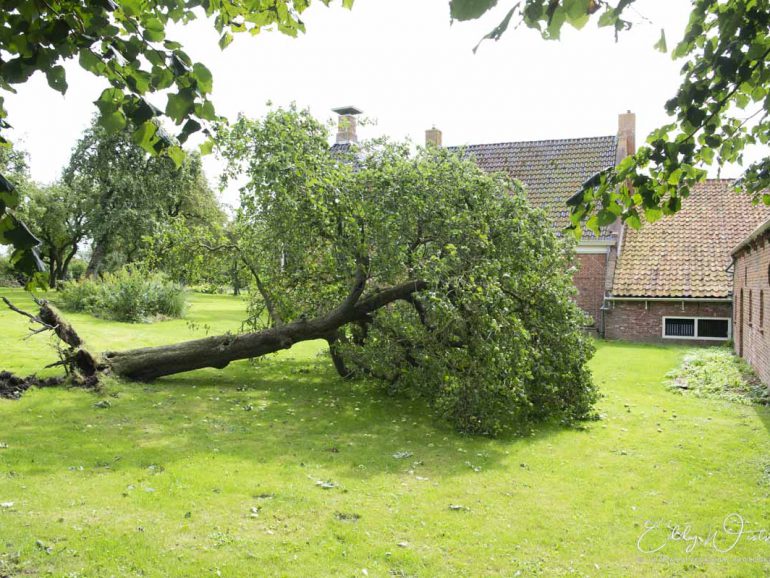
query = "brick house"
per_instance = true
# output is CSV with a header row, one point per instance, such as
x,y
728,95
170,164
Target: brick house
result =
x,y
671,280
551,172
666,282
751,288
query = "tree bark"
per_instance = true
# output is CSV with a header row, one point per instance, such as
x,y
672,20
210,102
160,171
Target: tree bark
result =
x,y
97,256
148,363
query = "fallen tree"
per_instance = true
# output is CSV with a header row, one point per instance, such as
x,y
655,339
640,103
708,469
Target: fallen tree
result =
x,y
423,274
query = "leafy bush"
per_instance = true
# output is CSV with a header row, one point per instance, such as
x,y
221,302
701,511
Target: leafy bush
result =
x,y
8,277
718,373
128,295
77,269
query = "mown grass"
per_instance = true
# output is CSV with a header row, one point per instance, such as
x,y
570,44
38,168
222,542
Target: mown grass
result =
x,y
216,473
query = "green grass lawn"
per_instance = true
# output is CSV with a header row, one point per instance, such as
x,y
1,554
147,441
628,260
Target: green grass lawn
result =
x,y
216,473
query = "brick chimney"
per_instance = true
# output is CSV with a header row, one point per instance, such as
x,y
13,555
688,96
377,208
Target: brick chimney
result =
x,y
346,125
626,135
433,137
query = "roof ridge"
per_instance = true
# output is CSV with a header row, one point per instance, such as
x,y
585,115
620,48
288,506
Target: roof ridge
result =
x,y
552,140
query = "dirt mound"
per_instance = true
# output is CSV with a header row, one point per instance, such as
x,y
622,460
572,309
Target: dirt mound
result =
x,y
12,387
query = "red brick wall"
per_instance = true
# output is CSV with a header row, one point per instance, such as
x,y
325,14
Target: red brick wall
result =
x,y
630,320
589,280
752,330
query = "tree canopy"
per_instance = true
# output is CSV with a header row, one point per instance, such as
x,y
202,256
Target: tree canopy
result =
x,y
126,43
721,107
127,195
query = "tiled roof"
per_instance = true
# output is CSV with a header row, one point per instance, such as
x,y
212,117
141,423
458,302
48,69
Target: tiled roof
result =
x,y
551,170
686,255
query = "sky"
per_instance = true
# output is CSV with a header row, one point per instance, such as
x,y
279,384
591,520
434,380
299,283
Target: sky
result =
x,y
408,68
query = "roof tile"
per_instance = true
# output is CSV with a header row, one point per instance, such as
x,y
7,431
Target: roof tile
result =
x,y
551,170
687,254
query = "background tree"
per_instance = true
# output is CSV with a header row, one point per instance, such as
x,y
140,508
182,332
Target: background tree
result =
x,y
124,42
130,195
721,107
421,271
57,214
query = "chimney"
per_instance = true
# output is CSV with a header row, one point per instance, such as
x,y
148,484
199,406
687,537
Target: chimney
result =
x,y
346,126
433,137
626,135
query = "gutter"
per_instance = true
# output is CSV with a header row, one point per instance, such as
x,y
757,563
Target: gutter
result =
x,y
674,299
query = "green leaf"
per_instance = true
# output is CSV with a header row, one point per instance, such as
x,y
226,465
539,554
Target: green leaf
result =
x,y
206,146
469,9
180,105
176,154
206,110
225,41
154,31
145,136
138,110
605,217
203,76
113,122
9,194
90,61
660,45
576,12
110,100
498,30
57,78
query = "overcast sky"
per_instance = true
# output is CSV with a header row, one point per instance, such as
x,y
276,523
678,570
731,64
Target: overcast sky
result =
x,y
407,68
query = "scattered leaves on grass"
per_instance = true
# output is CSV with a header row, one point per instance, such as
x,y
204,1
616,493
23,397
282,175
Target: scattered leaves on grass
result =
x,y
718,373
343,517
476,469
44,547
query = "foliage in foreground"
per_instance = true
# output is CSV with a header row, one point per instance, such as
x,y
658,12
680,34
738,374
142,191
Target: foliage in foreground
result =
x,y
128,295
721,108
487,334
718,373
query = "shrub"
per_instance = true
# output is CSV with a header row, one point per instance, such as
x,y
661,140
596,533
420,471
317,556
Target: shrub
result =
x,y
77,269
8,277
128,295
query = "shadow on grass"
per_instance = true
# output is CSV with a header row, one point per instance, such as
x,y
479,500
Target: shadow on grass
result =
x,y
763,411
281,411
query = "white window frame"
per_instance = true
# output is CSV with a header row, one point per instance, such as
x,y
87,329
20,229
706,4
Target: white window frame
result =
x,y
696,337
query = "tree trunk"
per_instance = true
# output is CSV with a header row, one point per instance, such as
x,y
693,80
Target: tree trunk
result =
x,y
51,270
148,363
97,256
65,266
